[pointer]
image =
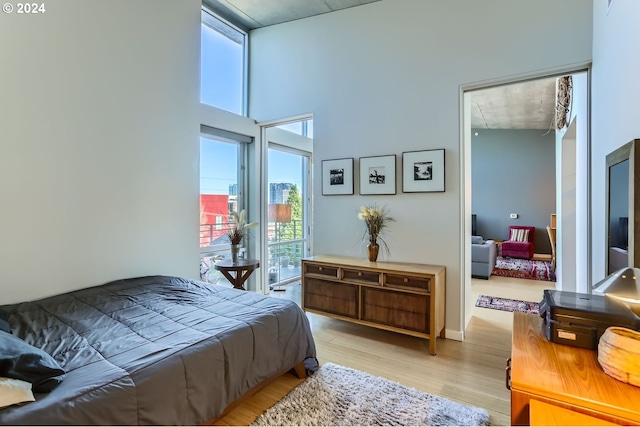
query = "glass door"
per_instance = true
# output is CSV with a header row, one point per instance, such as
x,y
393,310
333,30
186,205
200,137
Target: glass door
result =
x,y
287,227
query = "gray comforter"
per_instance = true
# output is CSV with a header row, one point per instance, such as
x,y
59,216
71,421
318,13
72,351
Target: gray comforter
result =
x,y
156,350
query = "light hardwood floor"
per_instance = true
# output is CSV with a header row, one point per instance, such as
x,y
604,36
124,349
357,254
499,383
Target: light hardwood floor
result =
x,y
470,372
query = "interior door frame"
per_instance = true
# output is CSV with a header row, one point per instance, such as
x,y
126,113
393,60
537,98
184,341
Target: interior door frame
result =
x,y
465,170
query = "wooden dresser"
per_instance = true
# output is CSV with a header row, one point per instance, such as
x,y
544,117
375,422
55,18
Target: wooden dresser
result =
x,y
400,297
564,376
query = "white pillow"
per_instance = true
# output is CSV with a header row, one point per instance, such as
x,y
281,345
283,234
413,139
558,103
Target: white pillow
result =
x,y
519,235
14,391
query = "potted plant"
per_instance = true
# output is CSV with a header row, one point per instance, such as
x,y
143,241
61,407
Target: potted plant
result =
x,y
376,220
237,231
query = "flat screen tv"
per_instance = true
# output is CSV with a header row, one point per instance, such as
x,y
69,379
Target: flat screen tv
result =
x,y
623,241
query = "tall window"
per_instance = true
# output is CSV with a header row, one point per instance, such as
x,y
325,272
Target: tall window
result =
x,y
222,178
218,175
223,69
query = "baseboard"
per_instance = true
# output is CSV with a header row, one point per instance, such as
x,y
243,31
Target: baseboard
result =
x,y
454,335
542,257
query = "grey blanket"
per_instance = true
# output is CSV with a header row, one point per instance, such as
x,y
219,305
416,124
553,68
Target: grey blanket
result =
x,y
156,350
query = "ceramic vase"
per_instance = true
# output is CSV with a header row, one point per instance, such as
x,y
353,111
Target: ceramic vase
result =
x,y
372,251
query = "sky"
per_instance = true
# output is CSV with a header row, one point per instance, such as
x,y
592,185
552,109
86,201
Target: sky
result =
x,y
221,71
219,161
285,167
221,86
218,166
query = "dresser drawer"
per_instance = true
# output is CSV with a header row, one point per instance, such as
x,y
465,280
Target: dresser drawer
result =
x,y
330,297
402,310
408,282
368,277
321,270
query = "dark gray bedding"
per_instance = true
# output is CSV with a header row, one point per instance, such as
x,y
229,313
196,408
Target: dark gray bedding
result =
x,y
156,350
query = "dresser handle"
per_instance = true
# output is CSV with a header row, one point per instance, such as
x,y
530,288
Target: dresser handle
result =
x,y
319,268
359,273
406,280
507,380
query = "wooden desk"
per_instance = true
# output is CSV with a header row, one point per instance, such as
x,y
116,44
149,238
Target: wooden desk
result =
x,y
564,376
242,269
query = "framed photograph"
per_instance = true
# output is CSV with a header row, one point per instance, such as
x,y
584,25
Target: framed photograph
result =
x,y
378,175
337,177
423,171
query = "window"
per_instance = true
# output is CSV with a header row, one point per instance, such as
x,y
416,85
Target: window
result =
x,y
218,172
286,232
222,65
304,128
288,189
222,178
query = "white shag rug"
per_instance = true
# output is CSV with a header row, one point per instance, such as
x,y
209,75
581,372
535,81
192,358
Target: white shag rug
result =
x,y
340,396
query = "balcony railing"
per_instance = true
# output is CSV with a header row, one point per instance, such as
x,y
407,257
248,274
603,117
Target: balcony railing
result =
x,y
284,261
212,234
285,252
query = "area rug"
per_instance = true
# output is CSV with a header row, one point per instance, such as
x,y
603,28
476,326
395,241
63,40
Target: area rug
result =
x,y
506,304
524,269
340,396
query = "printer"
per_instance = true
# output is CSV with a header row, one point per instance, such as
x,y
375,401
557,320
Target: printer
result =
x,y
580,319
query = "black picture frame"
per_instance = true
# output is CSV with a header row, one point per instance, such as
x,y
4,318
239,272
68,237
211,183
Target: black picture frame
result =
x,y
423,171
337,177
378,175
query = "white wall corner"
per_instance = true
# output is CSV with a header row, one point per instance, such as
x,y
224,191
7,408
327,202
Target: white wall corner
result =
x,y
454,335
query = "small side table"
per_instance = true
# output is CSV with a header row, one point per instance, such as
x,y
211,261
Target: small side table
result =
x,y
243,269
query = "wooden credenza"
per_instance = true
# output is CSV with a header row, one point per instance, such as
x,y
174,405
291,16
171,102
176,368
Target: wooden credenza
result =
x,y
400,297
563,376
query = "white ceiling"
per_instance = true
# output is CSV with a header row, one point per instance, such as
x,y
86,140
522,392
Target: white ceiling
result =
x,y
528,105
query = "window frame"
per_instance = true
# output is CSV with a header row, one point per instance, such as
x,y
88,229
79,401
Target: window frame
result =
x,y
208,18
242,180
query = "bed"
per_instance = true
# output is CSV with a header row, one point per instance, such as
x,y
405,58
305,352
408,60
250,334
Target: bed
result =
x,y
156,350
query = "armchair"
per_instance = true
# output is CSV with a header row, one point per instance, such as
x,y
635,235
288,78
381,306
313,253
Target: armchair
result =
x,y
520,243
483,257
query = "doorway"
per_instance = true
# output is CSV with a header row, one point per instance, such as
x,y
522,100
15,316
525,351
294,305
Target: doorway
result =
x,y
578,237
289,146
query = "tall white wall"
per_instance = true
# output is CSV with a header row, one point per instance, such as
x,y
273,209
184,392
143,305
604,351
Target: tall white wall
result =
x,y
384,78
567,212
99,144
614,101
572,172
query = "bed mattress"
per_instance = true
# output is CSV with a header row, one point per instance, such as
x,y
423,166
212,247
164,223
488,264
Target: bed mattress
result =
x,y
156,350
